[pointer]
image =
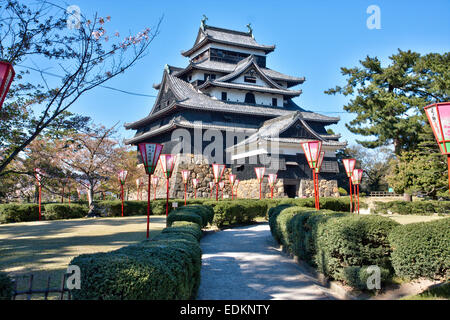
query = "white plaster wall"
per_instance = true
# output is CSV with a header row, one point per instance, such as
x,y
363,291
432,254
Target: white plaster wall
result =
x,y
239,96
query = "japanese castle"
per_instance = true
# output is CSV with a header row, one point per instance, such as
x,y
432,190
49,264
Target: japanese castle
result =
x,y
228,106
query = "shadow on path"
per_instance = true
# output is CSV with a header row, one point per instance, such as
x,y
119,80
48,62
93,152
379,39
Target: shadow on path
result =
x,y
244,264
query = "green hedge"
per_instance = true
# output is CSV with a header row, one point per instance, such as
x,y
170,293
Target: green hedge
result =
x,y
338,244
6,287
19,212
412,207
164,268
56,211
200,214
421,249
342,242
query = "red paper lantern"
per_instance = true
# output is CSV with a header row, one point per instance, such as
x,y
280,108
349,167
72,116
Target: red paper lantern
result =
x,y
349,165
218,170
150,153
439,117
320,161
185,175
122,176
356,180
167,164
222,186
312,151
357,176
236,185
154,183
212,184
7,74
260,176
195,185
272,180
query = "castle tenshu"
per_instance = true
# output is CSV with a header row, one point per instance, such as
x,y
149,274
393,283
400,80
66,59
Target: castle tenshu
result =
x,y
227,106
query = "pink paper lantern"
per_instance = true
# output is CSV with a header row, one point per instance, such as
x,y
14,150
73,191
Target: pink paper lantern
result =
x,y
185,175
195,183
312,151
218,170
320,161
7,74
260,173
357,176
349,165
439,117
150,153
272,179
122,176
167,164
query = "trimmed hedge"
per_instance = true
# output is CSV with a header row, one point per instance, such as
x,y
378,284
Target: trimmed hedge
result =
x,y
340,245
6,287
164,268
200,214
414,207
56,211
19,212
421,249
342,242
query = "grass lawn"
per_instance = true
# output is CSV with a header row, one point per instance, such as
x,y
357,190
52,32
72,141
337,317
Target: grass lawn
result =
x,y
441,292
45,248
406,219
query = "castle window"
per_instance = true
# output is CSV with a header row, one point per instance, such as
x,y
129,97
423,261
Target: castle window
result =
x,y
209,76
224,96
250,98
250,77
274,102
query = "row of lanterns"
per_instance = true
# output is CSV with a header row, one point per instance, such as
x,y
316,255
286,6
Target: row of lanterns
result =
x,y
315,155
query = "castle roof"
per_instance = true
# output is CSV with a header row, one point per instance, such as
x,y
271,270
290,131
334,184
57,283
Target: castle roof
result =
x,y
210,34
187,96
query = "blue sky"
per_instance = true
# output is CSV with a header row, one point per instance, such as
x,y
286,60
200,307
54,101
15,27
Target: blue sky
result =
x,y
313,39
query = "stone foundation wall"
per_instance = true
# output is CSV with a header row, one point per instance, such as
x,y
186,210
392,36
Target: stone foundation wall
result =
x,y
201,169
327,188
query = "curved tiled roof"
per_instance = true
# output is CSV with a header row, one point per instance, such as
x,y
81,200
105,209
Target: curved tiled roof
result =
x,y
189,97
226,36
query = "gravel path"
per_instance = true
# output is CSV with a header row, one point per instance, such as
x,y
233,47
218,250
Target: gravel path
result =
x,y
244,264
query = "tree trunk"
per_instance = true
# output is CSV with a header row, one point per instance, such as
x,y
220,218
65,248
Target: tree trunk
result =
x,y
90,194
407,197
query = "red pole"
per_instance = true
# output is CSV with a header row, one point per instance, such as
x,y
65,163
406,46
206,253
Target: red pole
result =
x,y
185,194
315,191
62,197
354,195
222,192
271,193
39,202
121,191
351,198
260,183
195,193
69,197
167,199
217,192
318,191
358,198
448,166
148,206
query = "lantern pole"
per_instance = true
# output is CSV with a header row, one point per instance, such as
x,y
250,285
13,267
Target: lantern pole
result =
x,y
148,204
358,198
40,190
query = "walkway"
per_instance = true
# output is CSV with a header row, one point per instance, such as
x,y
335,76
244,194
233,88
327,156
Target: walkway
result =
x,y
244,264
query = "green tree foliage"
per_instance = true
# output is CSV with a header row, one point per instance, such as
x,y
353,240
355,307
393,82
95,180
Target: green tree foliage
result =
x,y
421,170
389,101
